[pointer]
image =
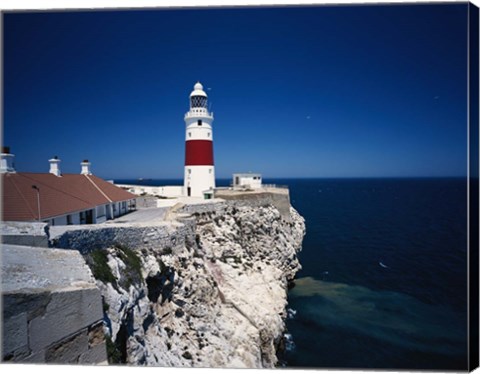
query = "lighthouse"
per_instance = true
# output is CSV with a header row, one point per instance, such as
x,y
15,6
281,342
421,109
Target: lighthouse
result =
x,y
199,180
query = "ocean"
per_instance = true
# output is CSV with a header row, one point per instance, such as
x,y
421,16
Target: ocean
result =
x,y
383,283
384,278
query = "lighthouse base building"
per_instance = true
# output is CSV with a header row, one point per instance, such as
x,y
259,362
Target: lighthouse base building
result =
x,y
202,185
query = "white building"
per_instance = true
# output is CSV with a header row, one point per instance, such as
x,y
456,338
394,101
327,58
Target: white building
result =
x,y
60,199
247,180
199,178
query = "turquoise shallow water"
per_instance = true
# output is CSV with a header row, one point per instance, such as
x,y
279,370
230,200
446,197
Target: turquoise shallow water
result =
x,y
339,325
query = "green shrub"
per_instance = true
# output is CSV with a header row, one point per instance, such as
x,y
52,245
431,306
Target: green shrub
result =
x,y
133,265
113,353
105,306
98,263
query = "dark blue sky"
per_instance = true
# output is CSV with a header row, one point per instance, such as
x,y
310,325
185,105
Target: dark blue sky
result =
x,y
326,91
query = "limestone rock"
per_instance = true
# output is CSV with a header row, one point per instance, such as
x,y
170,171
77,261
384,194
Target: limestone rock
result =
x,y
212,290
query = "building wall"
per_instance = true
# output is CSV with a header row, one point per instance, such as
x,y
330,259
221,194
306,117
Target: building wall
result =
x,y
101,213
250,181
199,179
65,220
75,218
119,208
116,210
171,191
123,207
196,132
61,220
163,191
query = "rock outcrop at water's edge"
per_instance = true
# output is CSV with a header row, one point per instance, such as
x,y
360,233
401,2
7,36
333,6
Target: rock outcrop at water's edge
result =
x,y
214,296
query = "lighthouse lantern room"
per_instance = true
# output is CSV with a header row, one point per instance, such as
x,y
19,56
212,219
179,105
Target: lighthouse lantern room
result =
x,y
199,180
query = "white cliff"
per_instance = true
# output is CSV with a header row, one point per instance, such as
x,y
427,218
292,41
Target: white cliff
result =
x,y
209,289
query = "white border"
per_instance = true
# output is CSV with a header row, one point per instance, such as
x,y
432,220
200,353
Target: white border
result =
x,y
99,4
9,5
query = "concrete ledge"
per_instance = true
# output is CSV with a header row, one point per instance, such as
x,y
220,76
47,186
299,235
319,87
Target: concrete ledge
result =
x,y
68,312
52,309
33,234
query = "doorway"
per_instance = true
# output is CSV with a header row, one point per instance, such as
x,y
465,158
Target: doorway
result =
x,y
89,216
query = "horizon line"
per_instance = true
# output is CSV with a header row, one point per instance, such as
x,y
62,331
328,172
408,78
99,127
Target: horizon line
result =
x,y
316,177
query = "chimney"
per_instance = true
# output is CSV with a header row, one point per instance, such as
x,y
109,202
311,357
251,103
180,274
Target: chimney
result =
x,y
86,167
6,164
55,166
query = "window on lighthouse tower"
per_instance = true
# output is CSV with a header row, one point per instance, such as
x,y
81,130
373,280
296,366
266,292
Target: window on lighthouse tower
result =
x,y
199,122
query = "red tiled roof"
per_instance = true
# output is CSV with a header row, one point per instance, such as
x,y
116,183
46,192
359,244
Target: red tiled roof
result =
x,y
58,195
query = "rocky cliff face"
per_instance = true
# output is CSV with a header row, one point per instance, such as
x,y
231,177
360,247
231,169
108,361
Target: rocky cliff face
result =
x,y
217,298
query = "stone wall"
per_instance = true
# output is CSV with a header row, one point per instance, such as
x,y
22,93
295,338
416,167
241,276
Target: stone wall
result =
x,y
209,206
280,199
167,236
52,309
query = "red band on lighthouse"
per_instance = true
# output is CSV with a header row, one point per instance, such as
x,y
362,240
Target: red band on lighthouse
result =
x,y
199,152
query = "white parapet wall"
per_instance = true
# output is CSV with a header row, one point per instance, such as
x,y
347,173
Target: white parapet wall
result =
x,y
162,191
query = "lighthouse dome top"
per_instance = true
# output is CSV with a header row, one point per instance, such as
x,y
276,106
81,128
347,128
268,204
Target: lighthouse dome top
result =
x,y
198,90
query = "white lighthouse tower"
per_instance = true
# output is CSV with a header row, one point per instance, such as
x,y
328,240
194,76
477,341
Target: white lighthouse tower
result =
x,y
199,178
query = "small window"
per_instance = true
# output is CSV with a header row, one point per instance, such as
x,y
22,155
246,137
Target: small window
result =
x,y
189,171
208,134
199,122
210,171
69,219
189,134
